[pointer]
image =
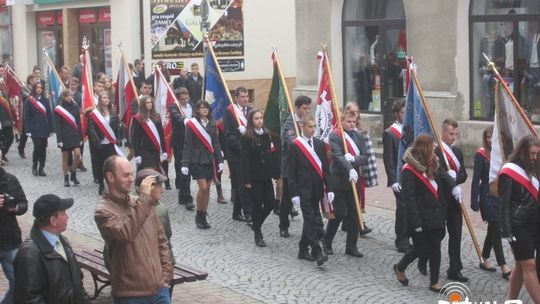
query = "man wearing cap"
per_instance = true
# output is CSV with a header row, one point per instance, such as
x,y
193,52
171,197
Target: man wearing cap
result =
x,y
45,268
138,250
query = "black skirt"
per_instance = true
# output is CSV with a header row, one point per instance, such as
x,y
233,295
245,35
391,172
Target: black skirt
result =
x,y
201,171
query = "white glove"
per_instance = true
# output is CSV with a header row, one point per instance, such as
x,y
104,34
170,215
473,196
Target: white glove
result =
x,y
220,167
353,175
456,193
396,187
331,196
60,145
29,134
349,157
185,170
138,160
164,156
510,239
242,130
418,229
452,174
296,201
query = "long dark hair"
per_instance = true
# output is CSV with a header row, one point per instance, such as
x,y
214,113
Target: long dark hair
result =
x,y
145,113
485,143
521,154
423,152
250,130
110,106
202,104
35,86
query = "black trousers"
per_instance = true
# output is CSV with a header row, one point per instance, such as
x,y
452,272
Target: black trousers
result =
x,y
345,198
285,206
242,202
493,240
400,227
454,224
40,152
262,200
6,139
22,142
426,244
182,181
94,160
103,152
313,228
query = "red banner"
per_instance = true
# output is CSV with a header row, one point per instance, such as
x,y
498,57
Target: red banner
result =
x,y
87,16
45,19
104,14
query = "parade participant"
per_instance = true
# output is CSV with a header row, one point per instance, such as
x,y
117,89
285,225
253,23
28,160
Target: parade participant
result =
x,y
6,122
46,270
65,75
138,250
345,168
195,82
179,114
74,89
422,185
518,194
68,135
38,125
488,205
202,157
308,180
148,141
237,112
390,138
31,80
104,132
98,89
288,134
145,89
256,154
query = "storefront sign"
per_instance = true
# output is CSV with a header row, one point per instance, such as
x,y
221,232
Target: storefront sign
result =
x,y
105,14
87,16
45,19
231,65
59,18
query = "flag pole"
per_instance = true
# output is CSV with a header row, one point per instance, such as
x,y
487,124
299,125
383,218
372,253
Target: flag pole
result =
x,y
287,96
48,59
130,74
211,49
439,142
337,111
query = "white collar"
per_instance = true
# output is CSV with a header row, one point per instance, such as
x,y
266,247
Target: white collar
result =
x,y
398,123
259,131
296,118
307,138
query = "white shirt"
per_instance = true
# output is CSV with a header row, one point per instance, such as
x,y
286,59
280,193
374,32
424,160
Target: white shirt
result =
x,y
188,110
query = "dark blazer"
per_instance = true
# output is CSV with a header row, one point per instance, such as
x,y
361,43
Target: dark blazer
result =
x,y
257,158
480,198
65,132
303,180
194,150
195,86
232,135
142,142
339,167
461,176
10,232
95,134
178,127
390,155
35,122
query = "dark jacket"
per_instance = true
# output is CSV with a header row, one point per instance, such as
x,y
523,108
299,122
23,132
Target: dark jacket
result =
x,y
195,87
390,155
461,177
43,276
256,158
303,180
178,127
424,209
141,140
5,112
35,122
480,198
518,206
95,134
194,150
232,135
65,131
10,232
339,167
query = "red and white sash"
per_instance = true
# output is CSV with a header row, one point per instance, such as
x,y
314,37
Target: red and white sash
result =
x,y
351,145
62,112
485,154
38,105
396,129
429,183
152,132
310,154
519,175
201,133
451,157
239,114
106,129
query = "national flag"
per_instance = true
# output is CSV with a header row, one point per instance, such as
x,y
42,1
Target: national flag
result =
x,y
216,91
164,97
14,91
88,99
277,106
415,121
55,84
325,118
510,125
125,92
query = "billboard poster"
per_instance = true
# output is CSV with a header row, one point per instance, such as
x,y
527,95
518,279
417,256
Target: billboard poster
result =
x,y
176,28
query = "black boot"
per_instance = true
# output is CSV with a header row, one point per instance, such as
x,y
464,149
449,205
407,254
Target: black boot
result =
x,y
74,178
41,172
204,221
259,241
221,199
198,220
66,180
34,169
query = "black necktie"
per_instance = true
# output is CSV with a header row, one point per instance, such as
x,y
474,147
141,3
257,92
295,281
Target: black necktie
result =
x,y
244,112
309,142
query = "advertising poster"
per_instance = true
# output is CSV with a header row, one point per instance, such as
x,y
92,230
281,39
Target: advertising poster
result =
x,y
176,28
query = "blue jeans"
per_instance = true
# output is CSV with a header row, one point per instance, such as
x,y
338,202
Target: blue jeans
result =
x,y
6,259
162,297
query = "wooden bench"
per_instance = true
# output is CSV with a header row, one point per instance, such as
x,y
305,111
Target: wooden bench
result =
x,y
93,262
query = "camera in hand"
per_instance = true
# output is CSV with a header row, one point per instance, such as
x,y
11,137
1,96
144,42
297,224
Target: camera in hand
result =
x,y
9,201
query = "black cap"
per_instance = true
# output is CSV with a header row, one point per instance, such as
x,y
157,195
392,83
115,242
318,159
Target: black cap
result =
x,y
148,172
46,205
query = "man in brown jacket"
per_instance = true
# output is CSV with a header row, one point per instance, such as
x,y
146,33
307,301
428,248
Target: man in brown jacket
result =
x,y
138,250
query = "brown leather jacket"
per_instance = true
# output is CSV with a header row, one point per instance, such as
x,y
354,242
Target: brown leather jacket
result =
x,y
138,248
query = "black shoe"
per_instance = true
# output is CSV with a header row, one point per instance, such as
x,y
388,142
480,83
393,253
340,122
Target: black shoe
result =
x,y
21,154
294,212
457,276
82,167
34,171
259,241
284,233
305,255
365,231
422,267
354,252
239,217
403,281
190,206
41,172
198,220
204,221
66,180
506,275
74,178
327,248
319,256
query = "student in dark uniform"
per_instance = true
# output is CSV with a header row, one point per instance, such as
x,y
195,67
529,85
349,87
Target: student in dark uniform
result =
x,y
345,168
202,157
256,153
518,189
68,134
308,180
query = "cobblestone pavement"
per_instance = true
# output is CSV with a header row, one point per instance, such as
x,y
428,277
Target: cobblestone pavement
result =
x,y
240,272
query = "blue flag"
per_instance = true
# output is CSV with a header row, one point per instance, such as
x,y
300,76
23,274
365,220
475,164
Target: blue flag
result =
x,y
55,84
215,88
415,122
